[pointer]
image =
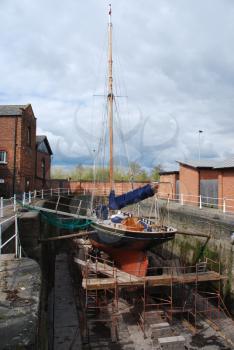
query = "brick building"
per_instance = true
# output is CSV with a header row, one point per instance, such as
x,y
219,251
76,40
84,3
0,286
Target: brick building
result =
x,y
18,149
169,184
208,180
226,183
42,162
199,178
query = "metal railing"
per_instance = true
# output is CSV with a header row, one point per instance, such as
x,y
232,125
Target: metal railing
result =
x,y
9,206
225,204
15,236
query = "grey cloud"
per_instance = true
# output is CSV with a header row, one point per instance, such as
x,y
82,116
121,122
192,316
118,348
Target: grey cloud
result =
x,y
176,59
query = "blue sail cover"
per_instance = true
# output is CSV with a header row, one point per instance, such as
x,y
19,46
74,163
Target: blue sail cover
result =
x,y
131,197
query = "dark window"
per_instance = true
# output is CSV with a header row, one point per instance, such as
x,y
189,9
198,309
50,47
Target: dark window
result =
x,y
43,168
29,136
27,184
3,157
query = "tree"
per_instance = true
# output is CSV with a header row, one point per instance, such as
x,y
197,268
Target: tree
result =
x,y
79,172
135,169
58,173
155,172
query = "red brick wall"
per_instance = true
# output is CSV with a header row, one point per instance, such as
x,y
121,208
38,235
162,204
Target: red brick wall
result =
x,y
39,171
7,127
189,183
209,174
167,185
104,188
101,187
25,154
226,188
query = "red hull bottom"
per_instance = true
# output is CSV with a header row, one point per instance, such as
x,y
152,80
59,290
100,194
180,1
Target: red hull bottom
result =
x,y
134,262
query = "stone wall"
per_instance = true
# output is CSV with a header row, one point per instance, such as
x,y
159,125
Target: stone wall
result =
x,y
191,248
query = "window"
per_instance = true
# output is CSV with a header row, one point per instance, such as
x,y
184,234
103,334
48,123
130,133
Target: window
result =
x,y
3,157
29,136
43,168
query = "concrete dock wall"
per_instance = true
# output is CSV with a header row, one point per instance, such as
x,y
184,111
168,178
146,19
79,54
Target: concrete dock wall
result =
x,y
190,248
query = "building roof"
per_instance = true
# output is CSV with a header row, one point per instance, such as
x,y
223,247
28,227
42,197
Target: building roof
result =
x,y
227,163
203,163
209,163
42,138
169,172
11,110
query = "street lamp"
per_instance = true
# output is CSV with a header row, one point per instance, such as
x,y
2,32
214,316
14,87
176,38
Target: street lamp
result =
x,y
199,143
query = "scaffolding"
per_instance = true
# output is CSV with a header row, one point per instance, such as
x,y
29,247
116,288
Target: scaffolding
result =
x,y
100,305
158,294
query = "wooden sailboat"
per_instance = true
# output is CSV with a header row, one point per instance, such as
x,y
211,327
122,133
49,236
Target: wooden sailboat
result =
x,y
123,236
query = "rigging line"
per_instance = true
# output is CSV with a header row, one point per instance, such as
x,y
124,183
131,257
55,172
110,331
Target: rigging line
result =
x,y
102,142
104,134
121,134
118,62
98,74
121,142
127,105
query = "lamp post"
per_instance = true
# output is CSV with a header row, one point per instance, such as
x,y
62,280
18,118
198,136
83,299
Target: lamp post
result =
x,y
199,143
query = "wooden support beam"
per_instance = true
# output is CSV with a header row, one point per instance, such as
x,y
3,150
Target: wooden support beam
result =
x,y
187,233
58,212
73,235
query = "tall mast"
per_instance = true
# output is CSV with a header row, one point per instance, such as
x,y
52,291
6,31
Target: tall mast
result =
x,y
110,100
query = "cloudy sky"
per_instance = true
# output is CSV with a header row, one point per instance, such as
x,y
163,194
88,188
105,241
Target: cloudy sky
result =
x,y
173,59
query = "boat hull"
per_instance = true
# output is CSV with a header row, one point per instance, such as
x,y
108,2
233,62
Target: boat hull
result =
x,y
127,248
109,238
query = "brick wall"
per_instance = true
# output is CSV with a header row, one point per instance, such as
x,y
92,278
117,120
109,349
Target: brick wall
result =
x,y
226,188
101,187
189,183
167,184
25,153
40,157
209,174
7,127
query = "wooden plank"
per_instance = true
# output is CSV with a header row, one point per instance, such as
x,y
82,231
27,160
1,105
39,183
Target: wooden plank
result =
x,y
107,270
163,280
183,278
107,283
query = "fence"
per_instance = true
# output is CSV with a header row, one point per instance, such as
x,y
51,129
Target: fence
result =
x,y
15,236
226,205
9,206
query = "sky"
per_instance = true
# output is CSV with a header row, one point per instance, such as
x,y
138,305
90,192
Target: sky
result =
x,y
173,68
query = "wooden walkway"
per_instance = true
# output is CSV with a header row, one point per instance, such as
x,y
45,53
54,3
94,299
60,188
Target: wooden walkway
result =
x,y
124,279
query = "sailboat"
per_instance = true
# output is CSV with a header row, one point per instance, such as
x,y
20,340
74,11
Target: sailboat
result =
x,y
123,236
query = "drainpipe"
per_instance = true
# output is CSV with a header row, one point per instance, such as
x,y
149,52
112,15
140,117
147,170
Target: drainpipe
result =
x,y
15,150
